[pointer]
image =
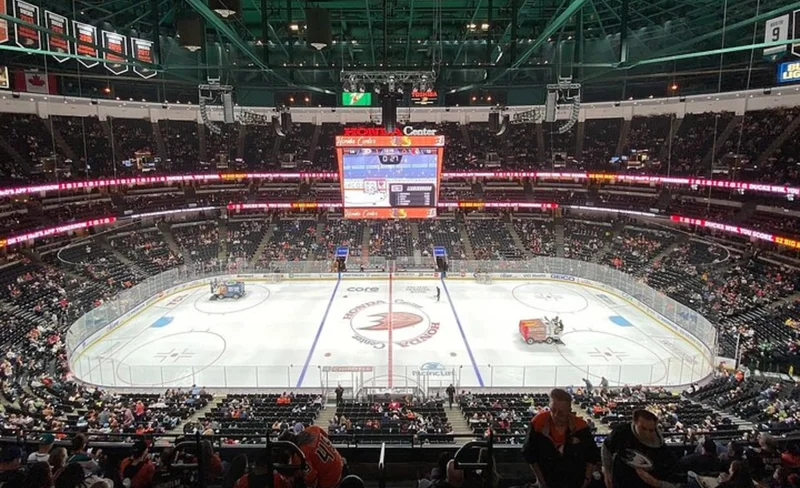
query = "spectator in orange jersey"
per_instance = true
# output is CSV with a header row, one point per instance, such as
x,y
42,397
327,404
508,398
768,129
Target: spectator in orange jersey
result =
x,y
559,445
324,463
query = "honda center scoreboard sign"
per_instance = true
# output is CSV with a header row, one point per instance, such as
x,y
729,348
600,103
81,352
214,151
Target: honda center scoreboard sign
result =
x,y
389,176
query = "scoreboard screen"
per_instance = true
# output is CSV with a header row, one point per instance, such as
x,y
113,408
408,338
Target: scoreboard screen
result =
x,y
398,181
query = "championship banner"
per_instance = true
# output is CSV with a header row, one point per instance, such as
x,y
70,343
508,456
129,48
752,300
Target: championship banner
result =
x,y
27,37
142,50
116,43
85,33
3,24
59,44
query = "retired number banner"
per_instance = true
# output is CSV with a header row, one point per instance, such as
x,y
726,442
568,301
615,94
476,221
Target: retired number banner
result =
x,y
86,33
26,36
142,50
116,43
55,43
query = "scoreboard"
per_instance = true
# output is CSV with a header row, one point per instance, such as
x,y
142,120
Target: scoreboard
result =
x,y
390,176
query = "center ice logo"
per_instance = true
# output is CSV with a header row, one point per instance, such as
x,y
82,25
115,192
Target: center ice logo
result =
x,y
371,321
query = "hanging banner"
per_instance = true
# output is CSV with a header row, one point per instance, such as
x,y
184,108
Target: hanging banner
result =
x,y
60,25
775,30
142,50
116,43
26,36
85,33
3,24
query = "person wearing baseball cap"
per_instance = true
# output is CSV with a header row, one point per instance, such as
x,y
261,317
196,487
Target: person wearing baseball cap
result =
x,y
43,454
137,470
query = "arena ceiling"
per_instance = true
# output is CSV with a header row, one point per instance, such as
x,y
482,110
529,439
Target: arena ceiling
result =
x,y
473,45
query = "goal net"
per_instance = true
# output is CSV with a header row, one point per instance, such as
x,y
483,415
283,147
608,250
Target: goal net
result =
x,y
483,278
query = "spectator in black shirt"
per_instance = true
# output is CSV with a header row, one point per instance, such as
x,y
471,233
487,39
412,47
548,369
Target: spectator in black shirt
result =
x,y
11,473
634,455
704,460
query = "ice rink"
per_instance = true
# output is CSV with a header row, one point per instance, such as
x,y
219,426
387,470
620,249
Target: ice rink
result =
x,y
318,333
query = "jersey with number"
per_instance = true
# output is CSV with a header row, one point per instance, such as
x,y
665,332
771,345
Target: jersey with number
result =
x,y
324,461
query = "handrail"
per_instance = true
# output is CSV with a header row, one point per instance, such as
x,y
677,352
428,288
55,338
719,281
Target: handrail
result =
x,y
382,467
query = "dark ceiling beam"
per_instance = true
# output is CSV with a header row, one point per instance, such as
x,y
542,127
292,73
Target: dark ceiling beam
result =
x,y
212,18
111,15
466,31
548,31
408,29
264,31
369,26
700,54
623,32
517,6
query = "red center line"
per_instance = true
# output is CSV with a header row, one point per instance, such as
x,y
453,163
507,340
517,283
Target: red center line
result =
x,y
389,346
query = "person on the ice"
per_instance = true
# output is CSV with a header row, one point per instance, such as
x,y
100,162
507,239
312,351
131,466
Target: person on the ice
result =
x,y
438,293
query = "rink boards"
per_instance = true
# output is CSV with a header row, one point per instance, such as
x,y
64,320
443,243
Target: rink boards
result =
x,y
131,324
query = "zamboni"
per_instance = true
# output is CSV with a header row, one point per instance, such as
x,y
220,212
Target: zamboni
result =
x,y
545,330
228,289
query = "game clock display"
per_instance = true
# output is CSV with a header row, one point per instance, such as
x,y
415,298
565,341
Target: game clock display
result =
x,y
390,182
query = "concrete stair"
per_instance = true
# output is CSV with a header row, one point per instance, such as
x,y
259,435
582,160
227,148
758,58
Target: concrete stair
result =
x,y
201,137
222,229
682,238
778,141
169,238
15,155
198,415
59,140
722,139
460,425
365,243
581,127
518,240
616,228
462,231
674,128
240,141
109,132
325,415
265,239
121,257
415,240
559,230
541,149
747,211
623,136
161,146
465,135
312,149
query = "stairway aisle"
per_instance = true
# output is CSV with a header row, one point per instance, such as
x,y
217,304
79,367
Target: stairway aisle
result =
x,y
460,425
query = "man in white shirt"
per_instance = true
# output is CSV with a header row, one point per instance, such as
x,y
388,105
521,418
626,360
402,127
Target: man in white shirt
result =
x,y
43,454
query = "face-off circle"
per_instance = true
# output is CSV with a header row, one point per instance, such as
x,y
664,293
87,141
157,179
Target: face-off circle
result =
x,y
410,325
549,298
178,356
620,359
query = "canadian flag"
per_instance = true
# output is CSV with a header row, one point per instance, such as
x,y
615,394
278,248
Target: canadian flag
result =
x,y
35,82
